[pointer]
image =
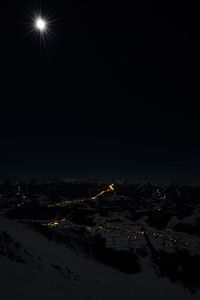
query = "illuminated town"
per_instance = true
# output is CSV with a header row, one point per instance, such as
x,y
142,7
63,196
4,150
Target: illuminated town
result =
x,y
150,222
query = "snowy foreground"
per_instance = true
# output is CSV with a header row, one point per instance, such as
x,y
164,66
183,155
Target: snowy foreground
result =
x,y
31,267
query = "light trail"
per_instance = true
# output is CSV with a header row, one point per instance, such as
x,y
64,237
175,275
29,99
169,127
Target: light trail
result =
x,y
110,188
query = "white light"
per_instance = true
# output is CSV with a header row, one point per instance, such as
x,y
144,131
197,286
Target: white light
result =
x,y
41,24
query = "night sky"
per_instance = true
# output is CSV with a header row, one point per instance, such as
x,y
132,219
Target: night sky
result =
x,y
115,94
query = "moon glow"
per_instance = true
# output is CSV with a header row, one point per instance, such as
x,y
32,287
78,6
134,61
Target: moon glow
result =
x,y
41,24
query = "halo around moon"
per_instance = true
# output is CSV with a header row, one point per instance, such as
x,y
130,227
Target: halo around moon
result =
x,y
41,26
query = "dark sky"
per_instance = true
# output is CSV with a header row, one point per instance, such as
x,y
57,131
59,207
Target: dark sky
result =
x,y
114,95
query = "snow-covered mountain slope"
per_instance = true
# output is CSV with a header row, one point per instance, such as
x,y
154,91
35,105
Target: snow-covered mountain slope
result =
x,y
31,267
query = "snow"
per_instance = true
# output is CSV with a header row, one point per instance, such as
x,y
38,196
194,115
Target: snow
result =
x,y
37,279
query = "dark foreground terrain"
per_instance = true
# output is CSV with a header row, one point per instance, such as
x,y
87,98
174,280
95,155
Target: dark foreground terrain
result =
x,y
109,239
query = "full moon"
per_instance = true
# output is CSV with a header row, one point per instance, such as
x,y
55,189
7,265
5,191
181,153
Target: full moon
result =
x,y
41,24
